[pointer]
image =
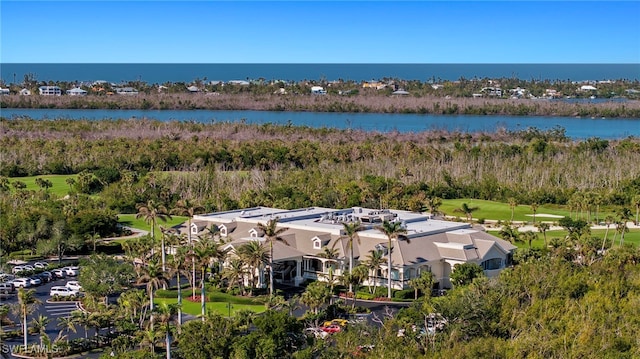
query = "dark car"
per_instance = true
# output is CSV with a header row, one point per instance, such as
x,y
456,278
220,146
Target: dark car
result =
x,y
46,277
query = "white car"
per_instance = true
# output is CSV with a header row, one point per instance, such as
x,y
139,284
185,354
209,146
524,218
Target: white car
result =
x,y
6,288
58,273
40,265
21,282
317,332
35,280
71,271
73,285
63,292
17,269
29,267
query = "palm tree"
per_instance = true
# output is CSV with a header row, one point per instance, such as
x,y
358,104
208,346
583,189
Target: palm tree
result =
x,y
202,254
513,203
272,234
151,213
186,207
255,255
636,203
509,234
356,277
149,337
27,303
155,278
39,325
177,268
329,252
529,236
234,274
351,233
434,203
608,220
393,230
94,239
624,214
166,315
467,210
534,209
374,262
66,325
543,227
81,317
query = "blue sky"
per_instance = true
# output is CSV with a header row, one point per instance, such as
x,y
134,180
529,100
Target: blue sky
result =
x,y
319,32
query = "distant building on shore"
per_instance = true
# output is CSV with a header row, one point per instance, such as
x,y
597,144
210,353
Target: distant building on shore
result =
x,y
76,91
318,90
50,91
126,91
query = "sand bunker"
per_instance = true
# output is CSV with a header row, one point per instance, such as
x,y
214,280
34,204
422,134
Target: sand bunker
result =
x,y
545,215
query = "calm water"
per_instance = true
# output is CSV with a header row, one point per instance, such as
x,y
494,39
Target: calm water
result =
x,y
575,127
160,73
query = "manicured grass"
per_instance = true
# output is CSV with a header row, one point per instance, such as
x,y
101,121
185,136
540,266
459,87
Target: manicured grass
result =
x,y
59,185
496,210
632,237
130,220
220,307
501,211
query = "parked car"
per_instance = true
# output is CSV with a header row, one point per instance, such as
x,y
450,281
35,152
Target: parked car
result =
x,y
340,322
35,280
29,267
46,277
63,292
73,284
58,273
333,328
18,269
40,265
21,283
71,271
6,288
317,333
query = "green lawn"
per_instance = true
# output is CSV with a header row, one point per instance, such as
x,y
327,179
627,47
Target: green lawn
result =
x,y
501,211
130,220
59,184
633,237
220,307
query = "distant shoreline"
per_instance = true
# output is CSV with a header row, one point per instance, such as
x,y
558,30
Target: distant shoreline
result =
x,y
363,103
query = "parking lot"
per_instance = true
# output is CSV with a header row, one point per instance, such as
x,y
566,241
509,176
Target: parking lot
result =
x,y
50,309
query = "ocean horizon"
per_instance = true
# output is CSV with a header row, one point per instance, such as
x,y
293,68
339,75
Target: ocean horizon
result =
x,y
160,73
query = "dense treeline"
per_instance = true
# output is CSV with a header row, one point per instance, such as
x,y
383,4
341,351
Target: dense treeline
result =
x,y
235,164
366,102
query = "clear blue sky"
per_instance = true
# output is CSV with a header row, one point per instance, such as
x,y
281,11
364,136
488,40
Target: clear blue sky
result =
x,y
319,32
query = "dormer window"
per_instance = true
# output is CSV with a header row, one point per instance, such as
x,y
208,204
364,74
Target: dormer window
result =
x,y
194,228
381,248
253,232
317,243
223,230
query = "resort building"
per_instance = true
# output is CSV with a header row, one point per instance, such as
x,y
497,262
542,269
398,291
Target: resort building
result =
x,y
50,90
431,245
